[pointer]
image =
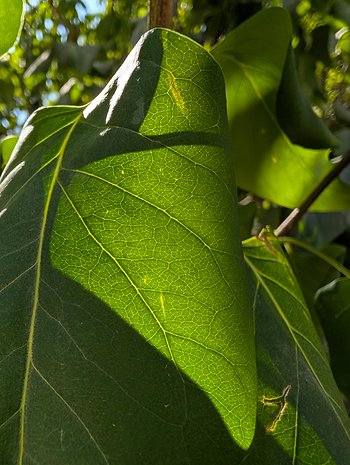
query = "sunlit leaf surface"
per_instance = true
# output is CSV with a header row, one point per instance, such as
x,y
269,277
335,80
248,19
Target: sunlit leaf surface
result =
x,y
126,329
11,12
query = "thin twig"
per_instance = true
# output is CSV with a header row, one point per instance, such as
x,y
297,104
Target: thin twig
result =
x,y
297,213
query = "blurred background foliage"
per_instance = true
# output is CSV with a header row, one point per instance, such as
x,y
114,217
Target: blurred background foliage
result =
x,y
69,49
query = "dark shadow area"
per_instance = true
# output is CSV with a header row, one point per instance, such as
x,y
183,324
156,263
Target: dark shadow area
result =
x,y
100,392
90,145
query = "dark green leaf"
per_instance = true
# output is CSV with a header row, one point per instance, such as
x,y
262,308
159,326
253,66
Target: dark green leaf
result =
x,y
320,229
126,323
314,273
301,418
333,305
294,112
246,219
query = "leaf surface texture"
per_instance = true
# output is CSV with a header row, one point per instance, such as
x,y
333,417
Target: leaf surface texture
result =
x,y
125,311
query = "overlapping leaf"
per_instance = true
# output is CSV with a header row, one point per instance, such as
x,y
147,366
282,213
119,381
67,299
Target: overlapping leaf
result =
x,y
301,418
267,163
333,306
126,330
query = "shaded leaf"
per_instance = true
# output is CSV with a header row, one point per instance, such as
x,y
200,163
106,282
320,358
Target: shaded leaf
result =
x,y
333,306
294,112
314,273
320,229
246,218
124,304
344,147
295,385
267,163
11,20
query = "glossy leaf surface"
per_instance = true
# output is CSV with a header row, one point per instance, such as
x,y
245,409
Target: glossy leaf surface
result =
x,y
267,163
126,323
10,23
333,306
301,418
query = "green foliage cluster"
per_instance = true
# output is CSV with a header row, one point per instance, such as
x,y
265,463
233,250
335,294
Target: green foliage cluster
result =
x,y
145,315
65,54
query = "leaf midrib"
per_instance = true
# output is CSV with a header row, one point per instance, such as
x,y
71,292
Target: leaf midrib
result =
x,y
37,292
292,332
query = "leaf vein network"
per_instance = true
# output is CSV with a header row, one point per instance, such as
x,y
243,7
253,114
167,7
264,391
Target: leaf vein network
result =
x,y
193,233
115,381
70,408
293,333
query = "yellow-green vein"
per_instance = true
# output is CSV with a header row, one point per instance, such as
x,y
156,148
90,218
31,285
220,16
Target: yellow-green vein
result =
x,y
37,292
173,218
134,286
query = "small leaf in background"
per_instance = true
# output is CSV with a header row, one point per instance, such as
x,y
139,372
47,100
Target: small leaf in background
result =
x,y
246,218
301,417
320,229
333,306
343,136
312,272
6,148
267,163
125,309
11,20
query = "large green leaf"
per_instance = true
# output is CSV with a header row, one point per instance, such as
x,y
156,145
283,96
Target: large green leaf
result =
x,y
11,19
126,323
301,418
267,163
333,306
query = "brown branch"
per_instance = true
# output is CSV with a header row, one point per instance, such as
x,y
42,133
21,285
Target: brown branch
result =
x,y
297,213
161,13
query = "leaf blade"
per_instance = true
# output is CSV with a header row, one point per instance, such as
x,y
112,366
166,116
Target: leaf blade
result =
x,y
140,228
267,163
289,354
